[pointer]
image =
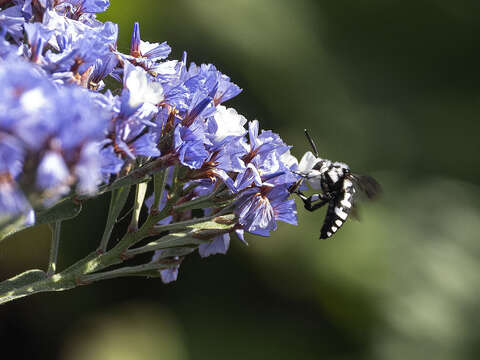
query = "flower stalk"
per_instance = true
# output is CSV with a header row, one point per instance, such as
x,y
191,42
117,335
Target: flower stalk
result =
x,y
141,190
118,198
52,263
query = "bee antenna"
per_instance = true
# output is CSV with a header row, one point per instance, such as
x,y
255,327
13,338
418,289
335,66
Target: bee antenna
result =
x,y
312,144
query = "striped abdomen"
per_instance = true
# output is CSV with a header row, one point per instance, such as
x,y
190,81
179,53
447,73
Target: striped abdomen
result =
x,y
338,209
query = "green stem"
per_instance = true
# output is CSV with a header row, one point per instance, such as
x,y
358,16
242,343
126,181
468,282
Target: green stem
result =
x,y
175,180
201,202
166,242
159,182
138,270
141,174
52,263
88,269
218,217
71,277
180,224
137,207
117,202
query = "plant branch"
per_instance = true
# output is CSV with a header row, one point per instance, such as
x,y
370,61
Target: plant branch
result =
x,y
52,263
117,202
159,182
137,206
166,242
138,270
202,202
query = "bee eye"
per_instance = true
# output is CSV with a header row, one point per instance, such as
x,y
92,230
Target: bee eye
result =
x,y
317,166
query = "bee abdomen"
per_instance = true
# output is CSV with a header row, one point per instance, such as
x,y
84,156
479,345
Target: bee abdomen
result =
x,y
338,210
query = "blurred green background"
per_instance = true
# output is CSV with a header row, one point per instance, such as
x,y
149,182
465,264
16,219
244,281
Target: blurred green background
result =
x,y
389,87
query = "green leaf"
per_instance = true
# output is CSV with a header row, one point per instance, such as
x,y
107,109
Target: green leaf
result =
x,y
25,278
11,226
63,210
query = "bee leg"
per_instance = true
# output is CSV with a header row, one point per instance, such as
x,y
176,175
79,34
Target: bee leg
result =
x,y
314,202
294,187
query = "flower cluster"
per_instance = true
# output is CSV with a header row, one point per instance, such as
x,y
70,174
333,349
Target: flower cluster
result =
x,y
62,130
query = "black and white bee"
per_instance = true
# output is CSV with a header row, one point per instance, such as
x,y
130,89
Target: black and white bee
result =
x,y
340,188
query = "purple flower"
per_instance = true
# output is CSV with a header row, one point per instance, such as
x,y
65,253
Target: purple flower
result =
x,y
206,77
111,163
52,172
225,125
169,275
56,151
12,155
259,208
11,21
103,66
144,53
12,201
163,201
201,104
59,134
267,157
6,48
76,46
189,144
219,245
76,9
140,90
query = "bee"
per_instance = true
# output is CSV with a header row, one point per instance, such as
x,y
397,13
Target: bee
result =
x,y
340,188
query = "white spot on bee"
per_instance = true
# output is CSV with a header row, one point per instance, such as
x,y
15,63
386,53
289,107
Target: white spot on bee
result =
x,y
334,228
338,222
333,175
326,164
340,213
329,233
347,183
346,203
341,165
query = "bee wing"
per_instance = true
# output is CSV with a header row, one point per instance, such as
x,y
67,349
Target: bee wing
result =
x,y
367,185
355,212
